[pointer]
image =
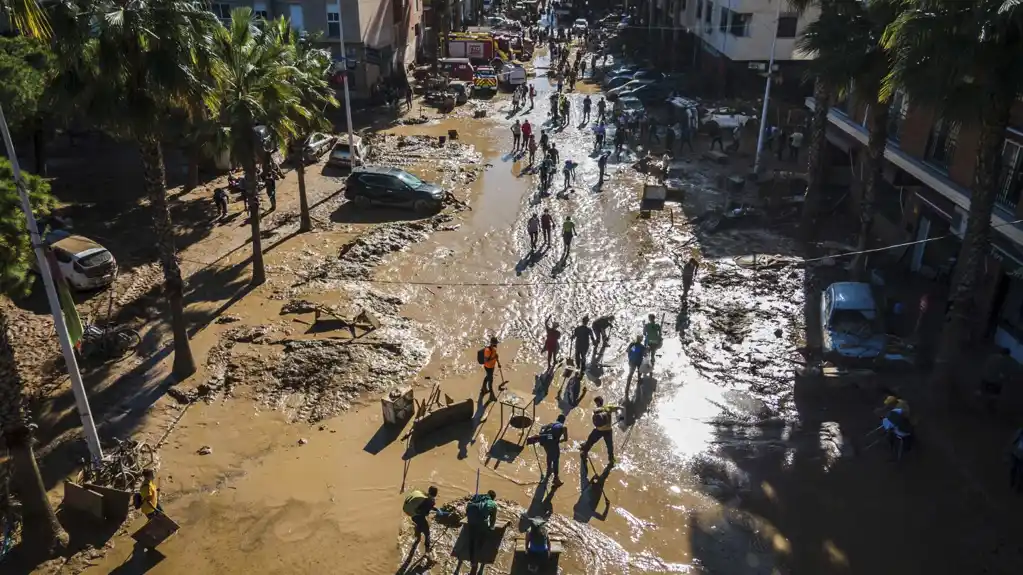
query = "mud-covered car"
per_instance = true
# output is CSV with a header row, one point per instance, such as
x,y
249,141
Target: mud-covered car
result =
x,y
851,322
390,187
84,263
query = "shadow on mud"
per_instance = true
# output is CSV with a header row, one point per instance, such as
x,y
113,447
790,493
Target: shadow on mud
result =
x,y
350,213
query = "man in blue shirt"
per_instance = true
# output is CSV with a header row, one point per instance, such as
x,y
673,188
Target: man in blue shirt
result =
x,y
552,436
635,351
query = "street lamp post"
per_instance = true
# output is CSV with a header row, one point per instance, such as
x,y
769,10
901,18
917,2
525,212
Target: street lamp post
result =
x,y
344,79
77,387
767,95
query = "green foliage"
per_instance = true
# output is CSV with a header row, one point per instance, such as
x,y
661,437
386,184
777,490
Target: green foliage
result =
x,y
15,248
26,70
28,17
953,55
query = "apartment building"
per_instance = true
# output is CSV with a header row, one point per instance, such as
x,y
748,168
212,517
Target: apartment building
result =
x,y
380,36
730,40
929,166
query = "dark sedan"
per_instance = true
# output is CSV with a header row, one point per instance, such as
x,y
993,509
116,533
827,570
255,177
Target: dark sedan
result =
x,y
391,187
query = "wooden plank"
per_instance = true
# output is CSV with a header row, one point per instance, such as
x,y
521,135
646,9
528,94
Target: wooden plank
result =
x,y
81,499
116,502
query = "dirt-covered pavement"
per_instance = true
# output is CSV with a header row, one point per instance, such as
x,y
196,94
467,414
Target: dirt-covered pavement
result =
x,y
726,462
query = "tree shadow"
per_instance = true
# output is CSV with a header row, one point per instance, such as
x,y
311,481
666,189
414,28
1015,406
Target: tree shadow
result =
x,y
350,213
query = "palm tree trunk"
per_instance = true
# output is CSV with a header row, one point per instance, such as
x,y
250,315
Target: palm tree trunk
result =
x,y
41,529
876,145
815,165
305,219
156,190
258,271
972,258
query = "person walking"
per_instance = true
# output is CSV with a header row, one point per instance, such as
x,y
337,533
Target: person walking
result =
x,y
408,98
586,108
533,228
418,506
652,336
566,171
220,199
271,189
547,225
532,149
545,168
532,95
552,435
582,336
567,233
619,140
527,132
669,139
688,276
795,143
715,136
552,151
544,141
598,135
601,167
601,326
516,131
601,109
551,342
685,135
635,353
490,361
603,420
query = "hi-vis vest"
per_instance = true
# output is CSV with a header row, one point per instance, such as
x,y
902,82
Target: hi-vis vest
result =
x,y
413,500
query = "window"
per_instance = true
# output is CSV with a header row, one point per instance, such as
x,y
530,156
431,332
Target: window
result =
x,y
897,111
708,14
259,11
296,16
1010,182
222,11
723,21
942,144
740,24
787,25
333,22
699,10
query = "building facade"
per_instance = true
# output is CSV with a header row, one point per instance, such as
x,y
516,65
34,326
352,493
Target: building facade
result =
x,y
924,195
380,36
730,41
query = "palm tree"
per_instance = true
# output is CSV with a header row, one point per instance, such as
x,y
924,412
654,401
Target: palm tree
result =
x,y
128,67
858,59
312,66
41,529
255,74
962,58
28,17
824,89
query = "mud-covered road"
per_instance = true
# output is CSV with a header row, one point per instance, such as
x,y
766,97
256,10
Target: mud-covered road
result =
x,y
715,450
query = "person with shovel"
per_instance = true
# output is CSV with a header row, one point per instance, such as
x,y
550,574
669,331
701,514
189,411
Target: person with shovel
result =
x,y
552,435
603,420
481,516
490,361
418,506
635,353
601,326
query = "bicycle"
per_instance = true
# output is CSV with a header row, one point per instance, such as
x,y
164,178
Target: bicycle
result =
x,y
123,465
108,342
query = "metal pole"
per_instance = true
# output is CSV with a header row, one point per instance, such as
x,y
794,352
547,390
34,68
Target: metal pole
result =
x,y
77,387
767,95
344,78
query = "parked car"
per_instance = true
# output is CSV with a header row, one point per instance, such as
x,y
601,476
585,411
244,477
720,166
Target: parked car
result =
x,y
629,86
850,322
580,26
630,107
370,185
727,118
462,90
649,93
317,145
613,82
84,263
648,75
341,155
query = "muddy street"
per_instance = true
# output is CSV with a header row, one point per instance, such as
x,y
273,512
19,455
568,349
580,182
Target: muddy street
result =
x,y
725,463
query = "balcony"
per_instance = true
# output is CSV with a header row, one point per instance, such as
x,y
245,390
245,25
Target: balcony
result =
x,y
929,176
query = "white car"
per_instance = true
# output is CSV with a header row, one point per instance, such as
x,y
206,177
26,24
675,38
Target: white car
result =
x,y
84,263
341,155
726,118
580,26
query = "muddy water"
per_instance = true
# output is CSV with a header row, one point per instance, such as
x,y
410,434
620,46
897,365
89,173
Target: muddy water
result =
x,y
332,503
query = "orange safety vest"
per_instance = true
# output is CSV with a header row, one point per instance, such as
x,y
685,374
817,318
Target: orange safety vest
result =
x,y
489,357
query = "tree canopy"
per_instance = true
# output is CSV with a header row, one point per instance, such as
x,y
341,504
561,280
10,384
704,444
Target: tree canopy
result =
x,y
15,248
26,70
